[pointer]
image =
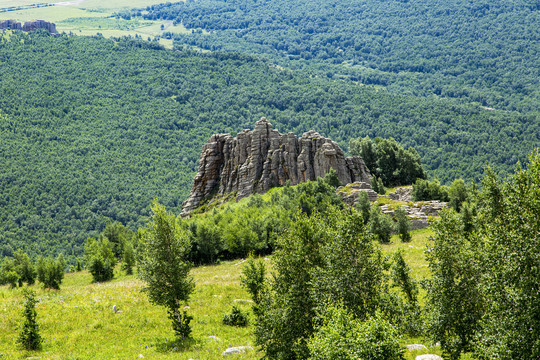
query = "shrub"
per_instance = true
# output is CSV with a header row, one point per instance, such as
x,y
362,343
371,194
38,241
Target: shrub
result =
x,y
235,318
253,278
51,272
403,224
29,337
380,224
100,259
342,336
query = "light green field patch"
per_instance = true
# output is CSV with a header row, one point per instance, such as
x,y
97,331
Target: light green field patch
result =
x,y
50,13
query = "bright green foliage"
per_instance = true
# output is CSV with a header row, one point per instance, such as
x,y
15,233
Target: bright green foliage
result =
x,y
9,277
344,337
429,190
457,194
235,318
332,179
17,270
50,272
323,258
100,259
389,161
380,224
163,263
29,337
403,224
510,213
253,278
456,302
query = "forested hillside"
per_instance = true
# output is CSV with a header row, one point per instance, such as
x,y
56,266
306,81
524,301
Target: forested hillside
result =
x,y
483,51
91,130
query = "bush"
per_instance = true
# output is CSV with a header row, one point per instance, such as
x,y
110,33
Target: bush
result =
x,y
100,259
29,337
253,278
380,225
424,190
403,224
51,272
342,336
235,318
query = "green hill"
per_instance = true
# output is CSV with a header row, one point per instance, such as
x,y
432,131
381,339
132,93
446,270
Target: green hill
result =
x,y
92,129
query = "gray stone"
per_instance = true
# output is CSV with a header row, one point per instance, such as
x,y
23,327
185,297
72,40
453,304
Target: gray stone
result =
x,y
10,25
214,338
428,357
39,24
414,347
402,194
256,160
237,350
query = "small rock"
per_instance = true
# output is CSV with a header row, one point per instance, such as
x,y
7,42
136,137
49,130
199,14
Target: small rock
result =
x,y
242,300
236,350
213,337
141,356
175,349
428,357
413,347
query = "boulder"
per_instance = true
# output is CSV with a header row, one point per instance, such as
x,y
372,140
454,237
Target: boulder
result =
x,y
39,24
428,357
256,160
415,347
236,350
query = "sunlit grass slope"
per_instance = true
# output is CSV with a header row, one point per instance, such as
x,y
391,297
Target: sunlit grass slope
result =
x,y
78,322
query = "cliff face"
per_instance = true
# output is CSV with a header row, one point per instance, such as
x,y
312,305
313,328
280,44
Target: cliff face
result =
x,y
28,26
256,160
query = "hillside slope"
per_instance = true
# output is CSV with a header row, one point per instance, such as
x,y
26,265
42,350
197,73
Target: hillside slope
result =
x,y
91,130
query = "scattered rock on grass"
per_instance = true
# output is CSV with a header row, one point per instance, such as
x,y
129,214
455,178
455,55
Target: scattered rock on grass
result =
x,y
236,350
428,357
213,337
413,347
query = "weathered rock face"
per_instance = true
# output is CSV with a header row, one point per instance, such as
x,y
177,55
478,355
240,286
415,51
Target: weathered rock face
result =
x,y
39,24
10,25
256,160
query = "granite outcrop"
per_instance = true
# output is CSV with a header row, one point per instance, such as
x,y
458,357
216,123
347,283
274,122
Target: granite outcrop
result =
x,y
256,160
31,25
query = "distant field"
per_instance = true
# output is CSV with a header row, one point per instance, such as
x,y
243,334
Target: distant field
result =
x,y
89,17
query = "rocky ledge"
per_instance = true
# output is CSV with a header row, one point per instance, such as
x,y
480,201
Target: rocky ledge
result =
x,y
256,160
28,26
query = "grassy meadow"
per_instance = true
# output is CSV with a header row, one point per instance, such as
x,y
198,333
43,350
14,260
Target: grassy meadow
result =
x,y
78,322
90,17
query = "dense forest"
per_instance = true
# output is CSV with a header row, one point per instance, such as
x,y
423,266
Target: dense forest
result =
x,y
483,51
94,129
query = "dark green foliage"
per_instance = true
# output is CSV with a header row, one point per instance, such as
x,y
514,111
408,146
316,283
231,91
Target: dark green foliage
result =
x,y
377,185
206,242
29,337
180,322
331,178
17,270
253,278
457,194
374,44
235,318
320,260
128,259
50,272
363,205
403,224
454,291
429,190
163,263
342,336
79,265
94,129
380,224
401,277
100,259
389,161
118,235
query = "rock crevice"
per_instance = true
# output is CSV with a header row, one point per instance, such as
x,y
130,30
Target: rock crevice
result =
x,y
256,160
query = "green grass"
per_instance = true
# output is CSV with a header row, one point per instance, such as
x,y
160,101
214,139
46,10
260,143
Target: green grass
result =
x,y
77,322
89,17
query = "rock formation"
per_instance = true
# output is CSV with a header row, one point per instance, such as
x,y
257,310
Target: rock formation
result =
x,y
28,26
10,25
39,24
256,160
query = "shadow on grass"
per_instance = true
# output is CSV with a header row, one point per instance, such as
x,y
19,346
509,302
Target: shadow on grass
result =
x,y
176,345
